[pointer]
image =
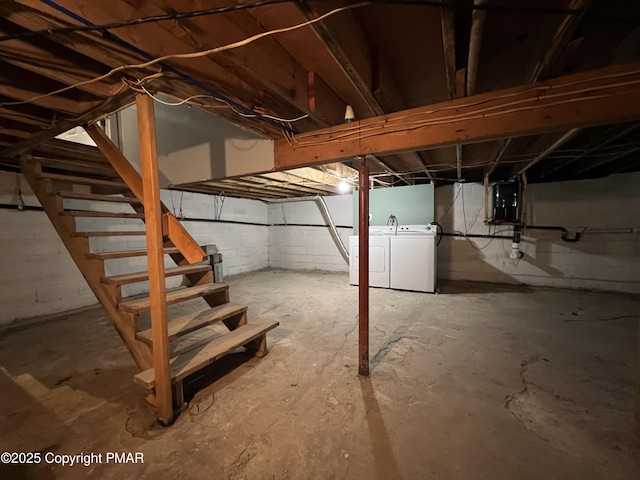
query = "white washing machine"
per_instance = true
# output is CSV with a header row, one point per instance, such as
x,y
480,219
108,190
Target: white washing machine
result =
x,y
413,261
379,260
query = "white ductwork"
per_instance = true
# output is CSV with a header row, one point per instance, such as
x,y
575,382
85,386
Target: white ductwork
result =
x,y
322,206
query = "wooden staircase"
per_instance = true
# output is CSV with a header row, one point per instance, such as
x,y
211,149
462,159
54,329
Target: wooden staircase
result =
x,y
194,340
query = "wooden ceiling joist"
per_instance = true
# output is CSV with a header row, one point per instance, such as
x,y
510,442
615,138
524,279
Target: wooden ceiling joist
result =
x,y
549,150
560,40
609,140
33,89
110,105
608,160
448,25
352,58
68,68
475,41
289,82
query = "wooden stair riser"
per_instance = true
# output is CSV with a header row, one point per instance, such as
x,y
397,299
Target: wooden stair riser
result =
x,y
92,197
96,214
217,298
127,279
123,254
257,347
61,181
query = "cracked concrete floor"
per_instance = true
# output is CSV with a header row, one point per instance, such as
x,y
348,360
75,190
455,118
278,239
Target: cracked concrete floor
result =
x,y
481,382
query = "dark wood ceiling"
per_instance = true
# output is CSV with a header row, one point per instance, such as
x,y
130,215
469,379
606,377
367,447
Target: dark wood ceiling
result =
x,y
379,57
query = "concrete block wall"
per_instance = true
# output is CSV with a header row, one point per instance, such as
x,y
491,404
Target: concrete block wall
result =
x,y
39,276
244,247
298,240
598,261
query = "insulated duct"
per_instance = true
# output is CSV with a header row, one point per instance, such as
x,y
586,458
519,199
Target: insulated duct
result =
x,y
322,206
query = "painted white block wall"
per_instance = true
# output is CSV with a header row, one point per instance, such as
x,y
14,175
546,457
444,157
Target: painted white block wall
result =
x,y
303,247
597,261
244,248
39,276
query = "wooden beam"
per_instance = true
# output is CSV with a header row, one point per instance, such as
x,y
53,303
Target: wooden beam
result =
x,y
501,149
153,222
418,159
610,159
597,97
38,16
559,41
323,103
550,149
28,114
475,42
608,141
31,89
290,83
176,232
546,67
112,104
388,169
353,58
303,178
53,62
448,23
383,85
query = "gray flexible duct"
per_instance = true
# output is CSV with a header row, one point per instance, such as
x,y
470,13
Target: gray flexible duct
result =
x,y
322,206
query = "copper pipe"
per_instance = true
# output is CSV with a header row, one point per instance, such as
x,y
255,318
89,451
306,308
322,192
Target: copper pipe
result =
x,y
363,277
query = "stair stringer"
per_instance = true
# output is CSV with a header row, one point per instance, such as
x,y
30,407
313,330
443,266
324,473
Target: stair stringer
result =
x,y
91,269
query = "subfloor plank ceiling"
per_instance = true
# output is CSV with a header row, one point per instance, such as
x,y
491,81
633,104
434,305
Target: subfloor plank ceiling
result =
x,y
281,68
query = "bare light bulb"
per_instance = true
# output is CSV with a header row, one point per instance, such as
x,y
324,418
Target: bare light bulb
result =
x,y
349,116
344,187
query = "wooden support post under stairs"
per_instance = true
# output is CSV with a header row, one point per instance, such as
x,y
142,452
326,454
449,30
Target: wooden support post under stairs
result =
x,y
176,232
157,292
194,340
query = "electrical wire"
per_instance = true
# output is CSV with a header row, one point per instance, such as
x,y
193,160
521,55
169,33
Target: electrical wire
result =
x,y
190,55
187,100
140,21
449,207
214,11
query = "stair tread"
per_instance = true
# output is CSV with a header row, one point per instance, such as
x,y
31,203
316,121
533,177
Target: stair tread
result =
x,y
84,180
188,323
190,361
93,213
107,233
142,276
143,304
127,253
98,197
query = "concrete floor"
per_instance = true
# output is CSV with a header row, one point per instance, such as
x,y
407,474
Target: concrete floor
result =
x,y
480,382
